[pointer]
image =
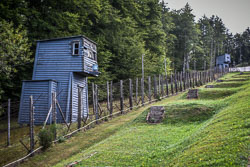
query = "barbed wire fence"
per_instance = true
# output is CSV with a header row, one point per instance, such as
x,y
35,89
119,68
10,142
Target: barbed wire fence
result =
x,y
106,101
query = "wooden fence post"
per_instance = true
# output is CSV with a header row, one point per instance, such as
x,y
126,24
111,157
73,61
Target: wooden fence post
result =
x,y
130,94
121,96
93,96
142,91
193,77
205,79
149,89
96,104
200,78
159,85
136,91
54,112
196,78
111,98
167,84
175,82
181,80
172,88
155,87
184,80
79,116
8,135
190,79
32,142
108,101
162,88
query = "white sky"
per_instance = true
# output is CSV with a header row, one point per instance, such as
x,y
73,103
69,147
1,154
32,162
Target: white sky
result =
x,y
234,13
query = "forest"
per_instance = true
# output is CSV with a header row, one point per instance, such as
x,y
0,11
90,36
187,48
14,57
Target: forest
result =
x,y
123,30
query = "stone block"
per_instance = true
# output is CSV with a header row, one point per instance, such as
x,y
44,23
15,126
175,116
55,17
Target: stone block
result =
x,y
156,114
209,86
192,94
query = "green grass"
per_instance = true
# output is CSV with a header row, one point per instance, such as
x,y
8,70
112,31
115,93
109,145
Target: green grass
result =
x,y
210,131
83,141
215,93
205,132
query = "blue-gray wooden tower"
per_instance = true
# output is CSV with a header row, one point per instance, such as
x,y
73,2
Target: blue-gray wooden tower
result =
x,y
223,61
61,65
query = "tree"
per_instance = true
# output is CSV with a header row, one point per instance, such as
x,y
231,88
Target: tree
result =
x,y
14,57
186,33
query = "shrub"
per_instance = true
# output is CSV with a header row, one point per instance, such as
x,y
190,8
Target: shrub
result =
x,y
45,138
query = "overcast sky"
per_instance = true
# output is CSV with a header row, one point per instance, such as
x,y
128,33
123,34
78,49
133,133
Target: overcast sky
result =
x,y
234,13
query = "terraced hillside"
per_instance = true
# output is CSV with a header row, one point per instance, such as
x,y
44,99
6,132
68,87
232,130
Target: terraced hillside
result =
x,y
210,131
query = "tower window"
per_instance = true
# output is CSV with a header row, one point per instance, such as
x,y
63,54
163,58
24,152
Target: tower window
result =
x,y
75,48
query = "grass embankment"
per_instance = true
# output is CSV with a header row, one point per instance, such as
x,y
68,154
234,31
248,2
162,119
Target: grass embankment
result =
x,y
210,131
82,141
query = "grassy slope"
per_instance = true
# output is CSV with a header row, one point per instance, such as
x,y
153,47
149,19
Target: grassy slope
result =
x,y
82,141
211,131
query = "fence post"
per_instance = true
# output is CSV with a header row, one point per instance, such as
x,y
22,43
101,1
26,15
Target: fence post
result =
x,y
200,78
149,89
111,98
180,74
136,91
196,78
108,101
193,77
8,136
79,108
186,76
32,143
96,104
172,88
167,84
159,85
121,96
184,80
190,80
142,91
155,87
130,94
54,112
93,96
175,82
162,88
205,73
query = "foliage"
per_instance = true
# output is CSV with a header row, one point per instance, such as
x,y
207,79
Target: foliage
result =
x,y
14,56
124,31
45,138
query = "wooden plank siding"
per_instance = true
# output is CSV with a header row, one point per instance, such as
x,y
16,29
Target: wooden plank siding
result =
x,y
54,61
40,90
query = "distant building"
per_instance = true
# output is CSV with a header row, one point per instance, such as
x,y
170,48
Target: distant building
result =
x,y
61,65
223,61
